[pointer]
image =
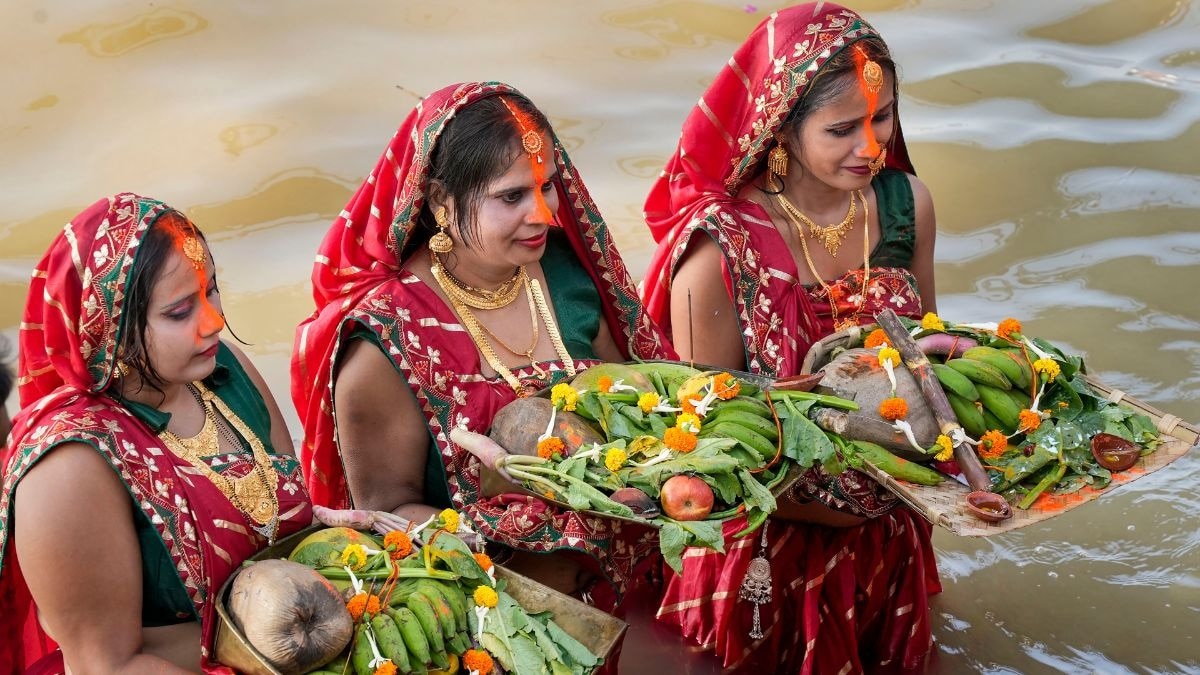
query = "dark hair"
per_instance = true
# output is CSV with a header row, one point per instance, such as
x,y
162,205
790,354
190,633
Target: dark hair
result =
x,y
831,81
6,375
477,145
152,253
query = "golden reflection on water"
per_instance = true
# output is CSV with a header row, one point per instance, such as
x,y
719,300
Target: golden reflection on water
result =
x,y
1058,140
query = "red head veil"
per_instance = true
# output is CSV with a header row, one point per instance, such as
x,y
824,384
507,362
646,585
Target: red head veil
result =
x,y
730,130
367,244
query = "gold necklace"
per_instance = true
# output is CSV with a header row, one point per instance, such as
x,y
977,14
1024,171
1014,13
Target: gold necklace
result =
x,y
253,494
480,298
477,332
862,294
830,236
533,318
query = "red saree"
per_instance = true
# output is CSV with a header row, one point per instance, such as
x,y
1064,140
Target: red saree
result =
x,y
69,333
358,282
846,600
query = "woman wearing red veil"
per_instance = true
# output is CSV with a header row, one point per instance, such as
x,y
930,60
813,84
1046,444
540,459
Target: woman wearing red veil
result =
x,y
799,129
148,460
471,267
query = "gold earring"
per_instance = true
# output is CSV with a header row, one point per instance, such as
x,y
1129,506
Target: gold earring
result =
x,y
876,165
441,243
121,369
777,159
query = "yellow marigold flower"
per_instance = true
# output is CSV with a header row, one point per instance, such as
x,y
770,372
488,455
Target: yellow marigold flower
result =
x,y
604,383
548,447
386,668
399,544
484,561
947,448
993,444
564,396
1029,421
678,439
363,603
1007,327
889,354
689,422
614,459
931,321
478,661
485,596
1047,367
355,557
449,518
726,386
894,408
648,402
876,338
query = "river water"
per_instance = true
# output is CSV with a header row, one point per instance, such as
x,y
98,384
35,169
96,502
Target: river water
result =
x,y
1060,141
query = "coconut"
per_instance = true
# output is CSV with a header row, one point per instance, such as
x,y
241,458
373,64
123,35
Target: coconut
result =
x,y
291,614
517,426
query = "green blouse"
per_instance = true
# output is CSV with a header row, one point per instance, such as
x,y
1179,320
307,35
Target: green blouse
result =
x,y
897,220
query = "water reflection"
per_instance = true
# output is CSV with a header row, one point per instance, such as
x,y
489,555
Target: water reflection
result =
x,y
115,39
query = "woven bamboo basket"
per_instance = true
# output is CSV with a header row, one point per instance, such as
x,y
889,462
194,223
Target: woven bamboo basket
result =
x,y
599,632
942,504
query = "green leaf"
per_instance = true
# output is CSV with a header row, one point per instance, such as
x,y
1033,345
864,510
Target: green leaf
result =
x,y
755,494
672,539
572,648
726,485
805,443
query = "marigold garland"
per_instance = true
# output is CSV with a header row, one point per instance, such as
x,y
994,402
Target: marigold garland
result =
x,y
355,557
1047,367
449,519
478,661
678,439
947,448
889,354
564,396
614,459
1007,327
892,409
932,321
993,444
399,543
876,338
386,668
548,447
648,402
485,596
689,422
726,386
485,561
1029,421
363,602
604,384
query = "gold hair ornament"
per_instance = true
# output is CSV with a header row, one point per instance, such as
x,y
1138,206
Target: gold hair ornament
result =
x,y
872,74
194,250
531,140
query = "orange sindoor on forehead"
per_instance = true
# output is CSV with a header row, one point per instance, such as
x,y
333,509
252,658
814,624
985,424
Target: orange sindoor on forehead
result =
x,y
870,81
193,249
531,143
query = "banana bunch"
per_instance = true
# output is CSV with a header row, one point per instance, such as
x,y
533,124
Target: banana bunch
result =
x,y
986,388
425,627
748,421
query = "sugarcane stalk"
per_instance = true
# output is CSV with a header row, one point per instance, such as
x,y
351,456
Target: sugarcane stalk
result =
x,y
917,363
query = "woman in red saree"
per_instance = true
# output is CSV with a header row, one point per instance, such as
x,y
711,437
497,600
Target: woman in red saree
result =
x,y
124,518
798,130
430,317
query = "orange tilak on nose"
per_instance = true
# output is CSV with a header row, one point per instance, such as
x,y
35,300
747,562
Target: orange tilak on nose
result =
x,y
860,60
211,319
542,209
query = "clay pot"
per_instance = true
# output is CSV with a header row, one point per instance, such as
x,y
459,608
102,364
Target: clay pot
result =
x,y
1115,453
988,506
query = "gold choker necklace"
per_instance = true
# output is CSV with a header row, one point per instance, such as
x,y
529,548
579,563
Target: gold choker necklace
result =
x,y
479,332
480,298
830,236
253,494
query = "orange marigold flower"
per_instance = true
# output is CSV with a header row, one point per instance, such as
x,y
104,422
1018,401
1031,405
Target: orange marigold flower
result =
x,y
604,384
678,439
478,661
1007,327
1029,420
726,386
399,543
363,603
993,444
484,561
689,405
386,668
875,338
894,408
548,447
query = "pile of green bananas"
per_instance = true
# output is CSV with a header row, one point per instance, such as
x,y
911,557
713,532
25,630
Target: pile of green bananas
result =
x,y
987,388
748,421
424,628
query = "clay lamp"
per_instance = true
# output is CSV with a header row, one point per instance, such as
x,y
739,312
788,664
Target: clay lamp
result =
x,y
637,500
1114,453
988,506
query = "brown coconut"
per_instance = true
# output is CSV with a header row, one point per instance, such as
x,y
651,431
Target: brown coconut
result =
x,y
519,424
291,614
856,374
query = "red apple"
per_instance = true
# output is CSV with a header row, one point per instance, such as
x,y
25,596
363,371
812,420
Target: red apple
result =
x,y
686,497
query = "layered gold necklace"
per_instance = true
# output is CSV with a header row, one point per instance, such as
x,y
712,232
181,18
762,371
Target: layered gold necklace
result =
x,y
254,494
800,221
462,301
482,298
830,236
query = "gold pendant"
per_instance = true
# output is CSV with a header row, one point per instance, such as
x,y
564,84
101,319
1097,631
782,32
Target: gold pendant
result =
x,y
541,372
